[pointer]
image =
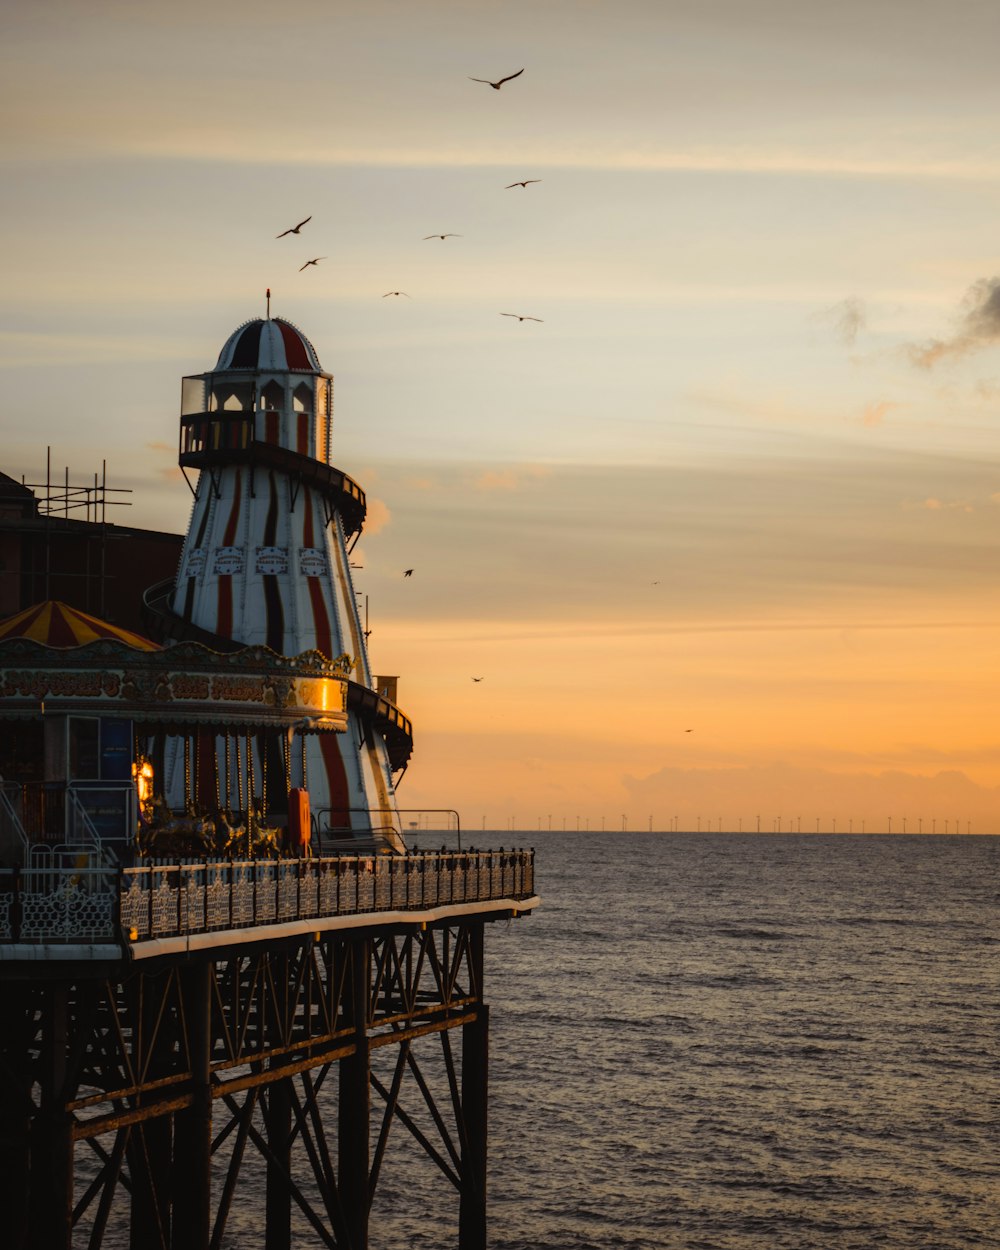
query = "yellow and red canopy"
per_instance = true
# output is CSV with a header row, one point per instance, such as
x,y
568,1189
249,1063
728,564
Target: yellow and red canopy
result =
x,y
58,625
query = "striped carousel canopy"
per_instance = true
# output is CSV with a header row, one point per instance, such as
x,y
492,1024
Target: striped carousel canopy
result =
x,y
56,624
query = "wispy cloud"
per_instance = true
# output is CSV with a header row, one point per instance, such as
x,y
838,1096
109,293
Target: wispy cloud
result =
x,y
875,413
510,479
377,517
979,327
848,318
945,505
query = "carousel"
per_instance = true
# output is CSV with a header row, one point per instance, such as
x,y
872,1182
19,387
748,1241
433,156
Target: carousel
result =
x,y
87,710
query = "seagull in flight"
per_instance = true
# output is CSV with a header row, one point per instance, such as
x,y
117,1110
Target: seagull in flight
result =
x,y
522,184
519,317
388,293
441,236
408,573
314,261
293,229
496,85
477,679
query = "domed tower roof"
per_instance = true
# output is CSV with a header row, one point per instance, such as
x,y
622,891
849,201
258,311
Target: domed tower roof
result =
x,y
273,345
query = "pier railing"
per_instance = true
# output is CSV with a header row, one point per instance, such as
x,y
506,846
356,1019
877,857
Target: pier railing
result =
x,y
173,900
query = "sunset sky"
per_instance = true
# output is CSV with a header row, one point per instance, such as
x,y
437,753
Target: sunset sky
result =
x,y
719,534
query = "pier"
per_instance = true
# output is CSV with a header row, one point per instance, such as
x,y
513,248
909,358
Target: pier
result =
x,y
171,1033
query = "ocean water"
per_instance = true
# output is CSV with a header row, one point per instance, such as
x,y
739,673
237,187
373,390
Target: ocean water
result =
x,y
721,1042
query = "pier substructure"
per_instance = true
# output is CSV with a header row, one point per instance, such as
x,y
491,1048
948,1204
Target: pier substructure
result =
x,y
144,1099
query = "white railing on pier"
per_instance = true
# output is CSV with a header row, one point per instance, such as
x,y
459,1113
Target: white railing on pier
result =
x,y
92,904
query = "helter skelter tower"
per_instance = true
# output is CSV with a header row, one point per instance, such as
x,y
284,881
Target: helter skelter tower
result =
x,y
266,561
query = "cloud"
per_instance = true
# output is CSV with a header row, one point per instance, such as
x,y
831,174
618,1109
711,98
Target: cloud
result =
x,y
505,480
940,505
510,479
848,318
979,328
377,516
874,413
809,793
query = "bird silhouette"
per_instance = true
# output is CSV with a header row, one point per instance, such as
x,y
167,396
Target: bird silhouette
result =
x,y
441,236
519,317
314,261
521,184
496,85
408,573
293,229
388,293
477,679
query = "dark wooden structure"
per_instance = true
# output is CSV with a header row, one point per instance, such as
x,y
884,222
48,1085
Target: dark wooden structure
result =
x,y
141,1099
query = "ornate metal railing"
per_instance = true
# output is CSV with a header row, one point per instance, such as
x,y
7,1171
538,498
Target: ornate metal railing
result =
x,y
170,900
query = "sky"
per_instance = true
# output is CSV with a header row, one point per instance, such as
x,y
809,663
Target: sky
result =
x,y
719,531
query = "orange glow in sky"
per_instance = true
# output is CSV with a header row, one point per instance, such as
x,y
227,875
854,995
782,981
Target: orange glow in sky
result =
x,y
718,532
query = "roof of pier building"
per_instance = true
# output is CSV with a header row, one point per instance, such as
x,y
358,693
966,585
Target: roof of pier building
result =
x,y
272,345
56,624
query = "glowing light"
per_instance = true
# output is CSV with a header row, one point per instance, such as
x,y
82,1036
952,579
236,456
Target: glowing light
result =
x,y
142,773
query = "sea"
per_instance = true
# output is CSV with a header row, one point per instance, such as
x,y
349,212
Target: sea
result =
x,y
736,1042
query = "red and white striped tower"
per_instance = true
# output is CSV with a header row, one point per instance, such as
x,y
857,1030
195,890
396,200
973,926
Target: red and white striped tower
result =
x,y
266,557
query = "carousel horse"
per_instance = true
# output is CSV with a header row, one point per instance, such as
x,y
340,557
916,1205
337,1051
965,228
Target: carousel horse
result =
x,y
265,842
162,835
230,838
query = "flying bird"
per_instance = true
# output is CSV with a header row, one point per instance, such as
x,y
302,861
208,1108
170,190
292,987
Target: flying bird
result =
x,y
441,236
388,293
496,85
522,184
477,679
408,573
314,261
293,229
519,317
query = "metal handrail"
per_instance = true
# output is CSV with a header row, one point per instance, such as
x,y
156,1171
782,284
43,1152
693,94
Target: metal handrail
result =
x,y
10,823
325,831
80,829
176,900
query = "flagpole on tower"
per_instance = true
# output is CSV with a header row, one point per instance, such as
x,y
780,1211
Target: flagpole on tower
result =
x,y
269,303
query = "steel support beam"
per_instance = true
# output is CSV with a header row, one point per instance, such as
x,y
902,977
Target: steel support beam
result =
x,y
50,1199
139,1063
278,1132
16,1109
355,1103
191,1177
475,1102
